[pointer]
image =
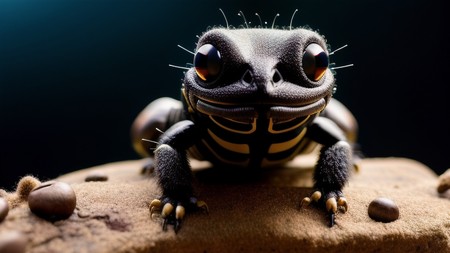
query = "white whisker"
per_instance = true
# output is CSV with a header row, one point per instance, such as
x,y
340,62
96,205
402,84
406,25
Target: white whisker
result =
x,y
260,21
187,50
225,17
292,18
147,140
344,46
178,67
159,130
341,67
275,18
243,16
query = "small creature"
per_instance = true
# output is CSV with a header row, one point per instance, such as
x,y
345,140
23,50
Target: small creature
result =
x,y
254,97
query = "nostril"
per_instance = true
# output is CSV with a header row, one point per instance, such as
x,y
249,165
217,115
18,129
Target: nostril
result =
x,y
277,76
247,77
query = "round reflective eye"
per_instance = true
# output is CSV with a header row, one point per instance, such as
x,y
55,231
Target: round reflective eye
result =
x,y
207,63
315,62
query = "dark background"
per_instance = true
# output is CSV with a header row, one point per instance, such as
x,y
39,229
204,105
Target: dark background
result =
x,y
74,74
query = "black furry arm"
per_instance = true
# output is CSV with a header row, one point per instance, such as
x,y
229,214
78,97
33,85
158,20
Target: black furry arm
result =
x,y
171,162
332,169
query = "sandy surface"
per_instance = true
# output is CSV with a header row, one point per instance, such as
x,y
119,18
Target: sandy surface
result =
x,y
257,213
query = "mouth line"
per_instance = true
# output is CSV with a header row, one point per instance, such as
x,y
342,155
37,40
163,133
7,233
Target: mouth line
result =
x,y
248,112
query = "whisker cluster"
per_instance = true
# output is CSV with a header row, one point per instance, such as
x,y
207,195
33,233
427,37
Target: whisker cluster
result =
x,y
262,24
260,20
241,14
343,66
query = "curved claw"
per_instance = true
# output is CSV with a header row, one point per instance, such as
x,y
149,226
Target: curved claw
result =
x,y
306,201
332,216
155,205
332,207
173,212
342,204
315,197
180,211
203,206
167,210
333,204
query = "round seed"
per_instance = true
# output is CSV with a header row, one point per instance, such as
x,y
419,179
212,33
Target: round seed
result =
x,y
52,201
4,209
384,210
12,242
96,176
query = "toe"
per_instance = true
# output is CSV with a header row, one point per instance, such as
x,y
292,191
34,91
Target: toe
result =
x,y
172,211
202,206
155,205
180,211
331,205
315,197
342,204
305,202
167,210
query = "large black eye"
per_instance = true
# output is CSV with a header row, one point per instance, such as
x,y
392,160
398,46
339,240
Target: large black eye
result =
x,y
207,63
315,62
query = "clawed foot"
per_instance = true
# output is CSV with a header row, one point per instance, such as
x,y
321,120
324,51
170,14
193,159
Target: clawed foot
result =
x,y
334,202
148,168
173,212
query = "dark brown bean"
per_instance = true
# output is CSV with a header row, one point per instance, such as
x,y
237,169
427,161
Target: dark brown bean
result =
x,y
13,242
4,209
96,176
52,201
384,210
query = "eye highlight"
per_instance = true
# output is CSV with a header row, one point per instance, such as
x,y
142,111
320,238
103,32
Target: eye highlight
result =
x,y
208,63
314,62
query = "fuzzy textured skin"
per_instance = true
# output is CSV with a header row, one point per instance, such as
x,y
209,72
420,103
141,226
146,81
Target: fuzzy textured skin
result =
x,y
249,101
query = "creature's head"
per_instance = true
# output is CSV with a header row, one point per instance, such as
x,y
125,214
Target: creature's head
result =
x,y
243,74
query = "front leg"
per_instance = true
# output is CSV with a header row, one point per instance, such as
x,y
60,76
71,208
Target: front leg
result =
x,y
332,169
174,174
331,175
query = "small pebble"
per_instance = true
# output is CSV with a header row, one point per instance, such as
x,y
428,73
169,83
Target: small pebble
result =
x,y
384,210
52,201
12,242
96,176
4,209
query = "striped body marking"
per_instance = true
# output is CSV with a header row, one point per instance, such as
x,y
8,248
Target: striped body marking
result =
x,y
260,141
253,93
253,97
